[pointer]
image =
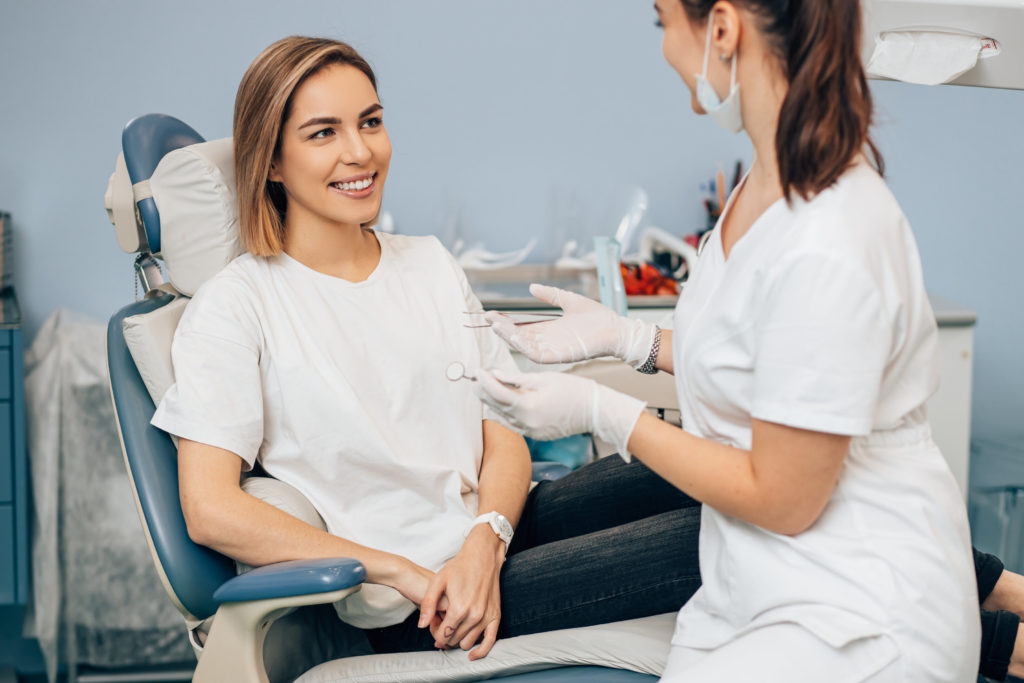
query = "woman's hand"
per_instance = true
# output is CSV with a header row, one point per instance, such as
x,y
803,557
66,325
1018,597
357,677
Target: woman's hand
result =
x,y
552,405
469,583
586,330
412,580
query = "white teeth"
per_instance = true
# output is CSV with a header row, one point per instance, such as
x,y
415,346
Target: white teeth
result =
x,y
355,185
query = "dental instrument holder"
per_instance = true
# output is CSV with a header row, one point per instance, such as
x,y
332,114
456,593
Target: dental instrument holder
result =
x,y
609,274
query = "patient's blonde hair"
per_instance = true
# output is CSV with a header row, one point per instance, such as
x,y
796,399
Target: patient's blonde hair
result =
x,y
262,105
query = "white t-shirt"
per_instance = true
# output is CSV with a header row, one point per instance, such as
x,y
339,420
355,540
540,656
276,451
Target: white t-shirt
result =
x,y
339,389
819,320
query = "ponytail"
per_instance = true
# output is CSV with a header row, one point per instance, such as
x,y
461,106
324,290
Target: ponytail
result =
x,y
826,115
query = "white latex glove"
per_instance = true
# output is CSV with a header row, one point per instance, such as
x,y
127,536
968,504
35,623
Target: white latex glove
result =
x,y
551,405
586,330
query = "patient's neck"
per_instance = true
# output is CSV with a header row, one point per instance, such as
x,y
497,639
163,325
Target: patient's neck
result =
x,y
349,252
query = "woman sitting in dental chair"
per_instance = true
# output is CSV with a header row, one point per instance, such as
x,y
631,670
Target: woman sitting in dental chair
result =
x,y
321,354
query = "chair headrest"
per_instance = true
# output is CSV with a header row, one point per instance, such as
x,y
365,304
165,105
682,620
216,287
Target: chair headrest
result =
x,y
194,191
144,141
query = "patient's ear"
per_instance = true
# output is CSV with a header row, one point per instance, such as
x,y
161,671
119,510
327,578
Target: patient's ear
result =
x,y
274,175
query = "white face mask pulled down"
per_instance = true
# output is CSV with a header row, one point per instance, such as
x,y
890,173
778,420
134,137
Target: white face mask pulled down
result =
x,y
725,113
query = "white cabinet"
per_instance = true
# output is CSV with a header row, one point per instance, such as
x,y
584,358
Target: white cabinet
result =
x,y
949,409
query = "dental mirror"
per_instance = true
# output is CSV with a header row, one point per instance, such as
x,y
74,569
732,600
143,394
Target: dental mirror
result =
x,y
456,371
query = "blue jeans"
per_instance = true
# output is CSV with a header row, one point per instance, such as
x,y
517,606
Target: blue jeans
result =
x,y
607,542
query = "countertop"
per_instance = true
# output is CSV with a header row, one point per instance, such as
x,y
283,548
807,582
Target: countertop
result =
x,y
950,314
947,313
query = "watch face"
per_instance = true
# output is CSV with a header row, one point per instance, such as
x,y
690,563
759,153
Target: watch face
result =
x,y
503,527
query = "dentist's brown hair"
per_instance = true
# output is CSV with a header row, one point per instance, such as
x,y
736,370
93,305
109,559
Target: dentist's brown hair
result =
x,y
262,106
826,115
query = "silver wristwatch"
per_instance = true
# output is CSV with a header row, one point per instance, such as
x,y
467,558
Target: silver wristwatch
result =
x,y
499,524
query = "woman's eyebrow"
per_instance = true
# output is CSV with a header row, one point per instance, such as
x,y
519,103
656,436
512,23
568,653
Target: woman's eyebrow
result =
x,y
334,121
321,120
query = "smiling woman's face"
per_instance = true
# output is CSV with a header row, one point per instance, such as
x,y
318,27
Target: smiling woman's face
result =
x,y
334,151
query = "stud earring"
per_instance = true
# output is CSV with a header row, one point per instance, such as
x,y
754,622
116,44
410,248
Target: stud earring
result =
x,y
723,57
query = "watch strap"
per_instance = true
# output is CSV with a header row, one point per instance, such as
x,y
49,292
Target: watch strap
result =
x,y
492,520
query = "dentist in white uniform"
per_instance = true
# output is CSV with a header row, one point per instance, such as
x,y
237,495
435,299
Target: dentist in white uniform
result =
x,y
834,542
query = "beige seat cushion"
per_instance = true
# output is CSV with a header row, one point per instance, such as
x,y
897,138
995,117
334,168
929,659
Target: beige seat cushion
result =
x,y
194,191
637,645
149,337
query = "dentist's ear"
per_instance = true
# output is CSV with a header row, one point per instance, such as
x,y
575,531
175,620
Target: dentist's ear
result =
x,y
725,30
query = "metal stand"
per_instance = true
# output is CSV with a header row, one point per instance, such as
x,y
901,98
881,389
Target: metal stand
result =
x,y
149,274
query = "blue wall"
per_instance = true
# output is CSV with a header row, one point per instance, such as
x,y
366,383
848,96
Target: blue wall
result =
x,y
954,158
508,115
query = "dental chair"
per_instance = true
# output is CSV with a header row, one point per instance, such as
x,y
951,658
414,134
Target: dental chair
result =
x,y
172,197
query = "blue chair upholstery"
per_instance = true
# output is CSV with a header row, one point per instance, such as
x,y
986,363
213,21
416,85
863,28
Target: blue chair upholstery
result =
x,y
193,572
201,581
571,451
549,471
145,140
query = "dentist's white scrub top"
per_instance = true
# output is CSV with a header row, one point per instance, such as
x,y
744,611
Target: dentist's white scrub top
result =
x,y
338,388
819,319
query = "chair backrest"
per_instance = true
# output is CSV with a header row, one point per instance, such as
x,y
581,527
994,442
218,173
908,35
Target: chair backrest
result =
x,y
190,572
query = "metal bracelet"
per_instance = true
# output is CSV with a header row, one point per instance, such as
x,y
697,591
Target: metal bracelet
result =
x,y
649,367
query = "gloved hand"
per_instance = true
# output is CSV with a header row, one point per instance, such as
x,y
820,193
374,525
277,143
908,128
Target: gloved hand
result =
x,y
551,405
586,330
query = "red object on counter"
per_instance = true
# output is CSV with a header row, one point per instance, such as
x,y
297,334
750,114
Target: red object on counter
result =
x,y
646,279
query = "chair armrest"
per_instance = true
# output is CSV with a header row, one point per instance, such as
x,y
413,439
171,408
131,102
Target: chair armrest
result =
x,y
251,602
289,579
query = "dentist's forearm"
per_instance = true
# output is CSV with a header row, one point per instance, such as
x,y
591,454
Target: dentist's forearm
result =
x,y
664,360
685,461
782,484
